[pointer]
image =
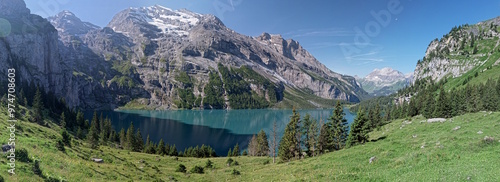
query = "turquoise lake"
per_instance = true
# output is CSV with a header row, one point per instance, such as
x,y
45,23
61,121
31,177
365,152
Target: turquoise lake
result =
x,y
221,129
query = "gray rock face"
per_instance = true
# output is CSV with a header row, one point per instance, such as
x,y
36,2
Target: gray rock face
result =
x,y
139,55
450,56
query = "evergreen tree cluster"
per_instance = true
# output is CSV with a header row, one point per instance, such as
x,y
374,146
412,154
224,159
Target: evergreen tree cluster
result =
x,y
432,100
306,138
259,145
199,152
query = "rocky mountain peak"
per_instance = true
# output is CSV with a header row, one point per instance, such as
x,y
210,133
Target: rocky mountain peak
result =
x,y
155,20
13,8
68,23
384,81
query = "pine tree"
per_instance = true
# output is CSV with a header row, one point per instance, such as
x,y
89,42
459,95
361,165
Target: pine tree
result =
x,y
359,130
147,149
429,104
324,139
307,121
489,96
442,108
38,107
230,153
160,150
66,138
80,120
62,120
289,144
106,130
173,151
96,120
130,138
339,127
263,144
93,135
79,133
236,150
313,138
122,136
139,143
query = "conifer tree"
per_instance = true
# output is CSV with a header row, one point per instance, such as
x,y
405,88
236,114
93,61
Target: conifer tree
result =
x,y
93,135
160,150
130,138
139,143
38,107
236,150
80,120
359,130
307,121
263,144
62,120
324,139
122,136
339,129
230,153
173,151
313,138
289,144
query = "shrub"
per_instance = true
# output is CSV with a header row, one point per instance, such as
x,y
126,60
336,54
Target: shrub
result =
x,y
229,162
51,179
60,145
181,168
22,155
196,169
1,179
36,168
235,172
209,164
235,163
66,138
266,162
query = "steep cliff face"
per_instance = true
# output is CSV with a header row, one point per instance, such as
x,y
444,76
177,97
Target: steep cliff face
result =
x,y
32,48
162,59
463,49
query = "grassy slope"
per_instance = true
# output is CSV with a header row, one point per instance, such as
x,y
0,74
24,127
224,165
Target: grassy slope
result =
x,y
448,156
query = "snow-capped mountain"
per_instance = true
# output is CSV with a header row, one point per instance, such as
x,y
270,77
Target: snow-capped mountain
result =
x,y
67,23
156,20
385,81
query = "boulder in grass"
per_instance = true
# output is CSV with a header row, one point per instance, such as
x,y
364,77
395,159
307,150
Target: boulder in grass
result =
x,y
489,139
456,128
97,160
434,120
372,159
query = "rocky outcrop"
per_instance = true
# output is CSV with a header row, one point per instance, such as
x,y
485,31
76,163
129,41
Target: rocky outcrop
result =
x,y
458,52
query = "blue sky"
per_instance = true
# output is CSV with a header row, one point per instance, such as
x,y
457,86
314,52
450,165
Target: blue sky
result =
x,y
349,36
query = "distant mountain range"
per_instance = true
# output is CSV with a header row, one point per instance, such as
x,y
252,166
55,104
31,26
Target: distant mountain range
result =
x,y
159,58
385,81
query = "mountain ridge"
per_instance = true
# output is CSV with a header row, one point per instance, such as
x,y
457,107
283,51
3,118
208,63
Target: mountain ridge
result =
x,y
138,59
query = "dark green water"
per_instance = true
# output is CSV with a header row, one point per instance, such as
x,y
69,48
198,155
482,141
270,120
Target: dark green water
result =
x,y
220,129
